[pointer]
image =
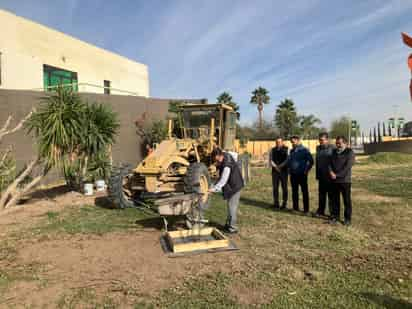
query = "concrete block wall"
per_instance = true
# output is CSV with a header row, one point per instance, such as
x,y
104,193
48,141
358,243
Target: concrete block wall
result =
x,y
129,108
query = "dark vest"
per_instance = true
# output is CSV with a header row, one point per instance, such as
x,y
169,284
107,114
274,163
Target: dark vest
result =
x,y
279,156
235,181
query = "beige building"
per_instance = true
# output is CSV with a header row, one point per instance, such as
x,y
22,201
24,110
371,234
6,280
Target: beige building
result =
x,y
34,57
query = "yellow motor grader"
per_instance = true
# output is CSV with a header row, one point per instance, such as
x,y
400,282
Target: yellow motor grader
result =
x,y
176,176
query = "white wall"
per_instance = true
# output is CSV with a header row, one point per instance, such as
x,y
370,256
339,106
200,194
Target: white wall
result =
x,y
26,46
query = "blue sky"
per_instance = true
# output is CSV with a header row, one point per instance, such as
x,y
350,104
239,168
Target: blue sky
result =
x,y
331,57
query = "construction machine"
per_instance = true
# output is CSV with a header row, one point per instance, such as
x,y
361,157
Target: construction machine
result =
x,y
175,178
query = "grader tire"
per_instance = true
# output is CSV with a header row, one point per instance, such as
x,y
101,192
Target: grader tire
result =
x,y
116,191
197,180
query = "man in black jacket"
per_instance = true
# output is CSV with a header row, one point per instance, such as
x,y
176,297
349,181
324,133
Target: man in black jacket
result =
x,y
230,182
323,156
341,164
278,159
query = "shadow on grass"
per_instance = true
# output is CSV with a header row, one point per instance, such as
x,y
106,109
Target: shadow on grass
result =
x,y
216,225
152,223
103,202
256,203
269,206
49,193
387,301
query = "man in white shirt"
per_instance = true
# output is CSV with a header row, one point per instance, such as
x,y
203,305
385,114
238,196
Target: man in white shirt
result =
x,y
230,183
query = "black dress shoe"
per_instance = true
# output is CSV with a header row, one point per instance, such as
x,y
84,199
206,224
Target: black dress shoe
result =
x,y
318,215
347,223
230,230
333,221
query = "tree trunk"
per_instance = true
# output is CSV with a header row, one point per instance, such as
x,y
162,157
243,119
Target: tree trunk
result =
x,y
12,193
260,109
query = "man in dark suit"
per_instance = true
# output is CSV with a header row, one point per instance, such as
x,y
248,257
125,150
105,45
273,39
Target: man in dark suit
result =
x,y
278,158
341,164
323,156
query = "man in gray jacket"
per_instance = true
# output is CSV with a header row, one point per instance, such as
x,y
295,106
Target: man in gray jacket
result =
x,y
341,164
323,156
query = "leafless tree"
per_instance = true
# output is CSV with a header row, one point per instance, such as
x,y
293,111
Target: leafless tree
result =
x,y
18,187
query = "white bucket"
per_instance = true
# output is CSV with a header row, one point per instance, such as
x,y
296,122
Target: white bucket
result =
x,y
88,189
100,185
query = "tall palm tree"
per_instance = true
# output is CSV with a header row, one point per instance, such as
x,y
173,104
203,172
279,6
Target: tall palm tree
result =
x,y
226,98
286,118
308,126
260,97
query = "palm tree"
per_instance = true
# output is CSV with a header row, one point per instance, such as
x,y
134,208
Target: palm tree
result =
x,y
260,97
226,98
308,126
286,118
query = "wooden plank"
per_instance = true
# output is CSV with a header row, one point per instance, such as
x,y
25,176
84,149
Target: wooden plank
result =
x,y
202,245
221,240
170,241
194,232
218,234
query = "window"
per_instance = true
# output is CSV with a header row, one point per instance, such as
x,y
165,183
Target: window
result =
x,y
106,86
53,77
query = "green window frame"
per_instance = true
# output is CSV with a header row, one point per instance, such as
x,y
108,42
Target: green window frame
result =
x,y
53,77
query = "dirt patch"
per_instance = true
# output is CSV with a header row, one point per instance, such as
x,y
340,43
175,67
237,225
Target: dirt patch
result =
x,y
121,262
31,211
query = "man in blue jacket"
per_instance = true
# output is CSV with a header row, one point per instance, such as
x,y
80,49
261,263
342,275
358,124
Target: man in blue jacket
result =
x,y
300,162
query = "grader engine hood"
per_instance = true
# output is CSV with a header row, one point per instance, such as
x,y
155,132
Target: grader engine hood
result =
x,y
166,153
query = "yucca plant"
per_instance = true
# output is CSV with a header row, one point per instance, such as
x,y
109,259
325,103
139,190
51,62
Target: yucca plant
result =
x,y
70,133
58,126
98,134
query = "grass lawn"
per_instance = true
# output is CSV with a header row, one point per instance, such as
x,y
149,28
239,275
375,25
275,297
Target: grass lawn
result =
x,y
286,260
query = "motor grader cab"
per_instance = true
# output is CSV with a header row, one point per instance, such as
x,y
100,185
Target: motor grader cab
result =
x,y
177,174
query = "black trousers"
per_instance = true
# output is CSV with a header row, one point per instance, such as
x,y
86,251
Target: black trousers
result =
x,y
343,189
280,179
302,182
325,192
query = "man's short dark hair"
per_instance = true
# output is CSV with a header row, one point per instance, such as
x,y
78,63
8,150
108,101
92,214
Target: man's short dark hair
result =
x,y
278,137
217,152
295,137
342,138
323,135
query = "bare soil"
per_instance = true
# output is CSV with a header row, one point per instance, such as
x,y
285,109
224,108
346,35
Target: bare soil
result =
x,y
119,263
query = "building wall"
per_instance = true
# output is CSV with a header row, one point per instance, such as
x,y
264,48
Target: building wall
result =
x,y
128,146
25,46
404,146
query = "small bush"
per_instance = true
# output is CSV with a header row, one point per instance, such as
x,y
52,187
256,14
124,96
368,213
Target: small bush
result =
x,y
390,158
